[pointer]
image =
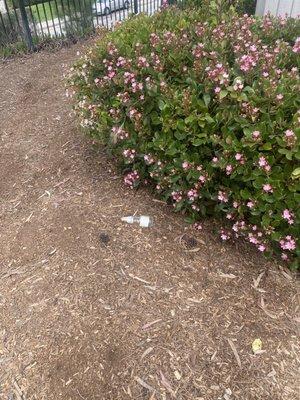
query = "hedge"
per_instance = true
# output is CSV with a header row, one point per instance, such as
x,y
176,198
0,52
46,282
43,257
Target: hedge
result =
x,y
203,105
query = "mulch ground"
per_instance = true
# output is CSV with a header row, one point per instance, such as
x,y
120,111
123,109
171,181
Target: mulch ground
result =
x,y
92,308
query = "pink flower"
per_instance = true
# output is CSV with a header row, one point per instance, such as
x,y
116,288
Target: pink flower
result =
x,y
217,72
215,160
252,238
222,196
119,133
288,216
284,256
290,137
267,188
148,159
129,153
142,62
247,62
288,243
238,156
131,178
198,226
289,133
256,135
263,163
224,235
176,196
296,47
217,89
238,85
186,165
250,204
261,248
229,169
239,226
192,194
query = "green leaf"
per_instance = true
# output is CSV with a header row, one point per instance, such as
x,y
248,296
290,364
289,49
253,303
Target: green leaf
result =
x,y
198,142
189,220
223,94
179,135
155,118
245,194
180,125
190,119
296,173
266,146
209,119
161,104
266,220
206,99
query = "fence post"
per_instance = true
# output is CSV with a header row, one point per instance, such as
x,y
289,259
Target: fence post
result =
x,y
25,23
135,6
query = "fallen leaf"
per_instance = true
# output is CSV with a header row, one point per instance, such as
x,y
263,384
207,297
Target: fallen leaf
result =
x,y
256,345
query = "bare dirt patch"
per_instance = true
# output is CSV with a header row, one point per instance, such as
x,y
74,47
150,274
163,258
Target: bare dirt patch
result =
x,y
91,308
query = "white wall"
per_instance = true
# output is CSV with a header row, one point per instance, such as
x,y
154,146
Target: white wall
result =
x,y
278,7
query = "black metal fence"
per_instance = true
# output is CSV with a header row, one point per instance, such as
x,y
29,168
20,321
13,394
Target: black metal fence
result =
x,y
29,21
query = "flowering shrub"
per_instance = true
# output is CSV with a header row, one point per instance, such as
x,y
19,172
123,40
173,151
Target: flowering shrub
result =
x,y
204,106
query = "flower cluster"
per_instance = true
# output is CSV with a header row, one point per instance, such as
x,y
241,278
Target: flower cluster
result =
x,y
296,47
129,154
131,178
288,216
118,133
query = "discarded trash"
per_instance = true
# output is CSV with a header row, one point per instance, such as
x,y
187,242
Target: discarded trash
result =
x,y
144,220
256,345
